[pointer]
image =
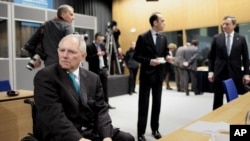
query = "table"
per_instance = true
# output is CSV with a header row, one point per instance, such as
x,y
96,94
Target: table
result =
x,y
16,120
233,112
203,83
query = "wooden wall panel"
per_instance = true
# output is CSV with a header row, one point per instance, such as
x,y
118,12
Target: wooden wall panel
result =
x,y
179,15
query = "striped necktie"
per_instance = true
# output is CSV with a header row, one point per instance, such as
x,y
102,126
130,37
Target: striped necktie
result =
x,y
228,44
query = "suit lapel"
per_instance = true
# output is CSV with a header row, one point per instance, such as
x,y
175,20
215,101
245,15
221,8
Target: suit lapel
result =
x,y
234,43
83,84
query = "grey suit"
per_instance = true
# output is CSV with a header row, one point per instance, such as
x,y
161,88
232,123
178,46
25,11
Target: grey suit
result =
x,y
54,31
190,55
63,115
177,68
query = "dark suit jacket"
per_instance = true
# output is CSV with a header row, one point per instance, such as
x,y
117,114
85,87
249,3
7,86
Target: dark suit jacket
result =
x,y
219,60
145,50
54,31
93,58
61,114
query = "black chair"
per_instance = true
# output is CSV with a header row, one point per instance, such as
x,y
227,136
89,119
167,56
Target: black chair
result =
x,y
230,89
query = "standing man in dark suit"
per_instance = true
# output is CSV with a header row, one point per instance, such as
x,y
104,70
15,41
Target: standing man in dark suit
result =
x,y
55,30
97,59
149,47
228,54
69,99
189,58
133,66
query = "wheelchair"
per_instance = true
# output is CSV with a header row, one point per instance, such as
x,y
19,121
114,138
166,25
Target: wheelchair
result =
x,y
31,136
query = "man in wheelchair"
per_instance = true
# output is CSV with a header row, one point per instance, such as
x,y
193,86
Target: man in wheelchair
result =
x,y
72,108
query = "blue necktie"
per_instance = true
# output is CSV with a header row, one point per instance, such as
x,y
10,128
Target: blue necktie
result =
x,y
228,44
76,84
158,42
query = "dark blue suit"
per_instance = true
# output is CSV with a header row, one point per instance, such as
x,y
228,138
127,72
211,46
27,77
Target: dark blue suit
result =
x,y
151,77
225,66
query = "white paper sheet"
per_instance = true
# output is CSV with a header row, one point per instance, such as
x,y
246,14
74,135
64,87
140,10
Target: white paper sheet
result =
x,y
214,129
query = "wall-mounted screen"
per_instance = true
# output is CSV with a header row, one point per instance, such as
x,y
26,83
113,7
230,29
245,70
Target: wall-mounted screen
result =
x,y
204,36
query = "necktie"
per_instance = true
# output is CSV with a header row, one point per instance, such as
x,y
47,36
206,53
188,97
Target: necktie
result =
x,y
76,84
101,61
158,42
228,45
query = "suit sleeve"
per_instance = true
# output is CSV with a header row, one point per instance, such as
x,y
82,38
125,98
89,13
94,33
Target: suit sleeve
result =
x,y
138,51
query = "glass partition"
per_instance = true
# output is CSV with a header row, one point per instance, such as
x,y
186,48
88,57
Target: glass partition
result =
x,y
3,39
244,30
204,36
175,37
24,30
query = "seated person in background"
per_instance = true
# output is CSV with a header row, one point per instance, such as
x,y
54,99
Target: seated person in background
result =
x,y
72,109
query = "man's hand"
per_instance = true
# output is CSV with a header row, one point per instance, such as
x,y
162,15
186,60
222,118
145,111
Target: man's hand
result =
x,y
154,62
84,139
185,64
37,63
100,53
246,79
211,76
107,139
170,59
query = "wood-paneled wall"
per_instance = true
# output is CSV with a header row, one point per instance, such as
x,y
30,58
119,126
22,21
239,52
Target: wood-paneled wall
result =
x,y
178,14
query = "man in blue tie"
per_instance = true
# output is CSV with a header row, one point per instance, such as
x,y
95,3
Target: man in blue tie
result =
x,y
228,58
97,60
63,113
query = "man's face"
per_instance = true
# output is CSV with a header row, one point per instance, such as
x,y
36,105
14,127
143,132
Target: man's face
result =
x,y
70,55
99,39
69,15
160,23
228,26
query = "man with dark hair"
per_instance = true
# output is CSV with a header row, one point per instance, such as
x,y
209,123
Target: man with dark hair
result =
x,y
97,60
228,58
151,52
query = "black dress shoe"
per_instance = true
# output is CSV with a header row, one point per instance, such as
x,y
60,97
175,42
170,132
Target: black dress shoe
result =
x,y
156,134
111,107
141,138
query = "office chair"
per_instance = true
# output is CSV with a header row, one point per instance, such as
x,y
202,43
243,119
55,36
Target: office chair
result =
x,y
230,89
5,85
